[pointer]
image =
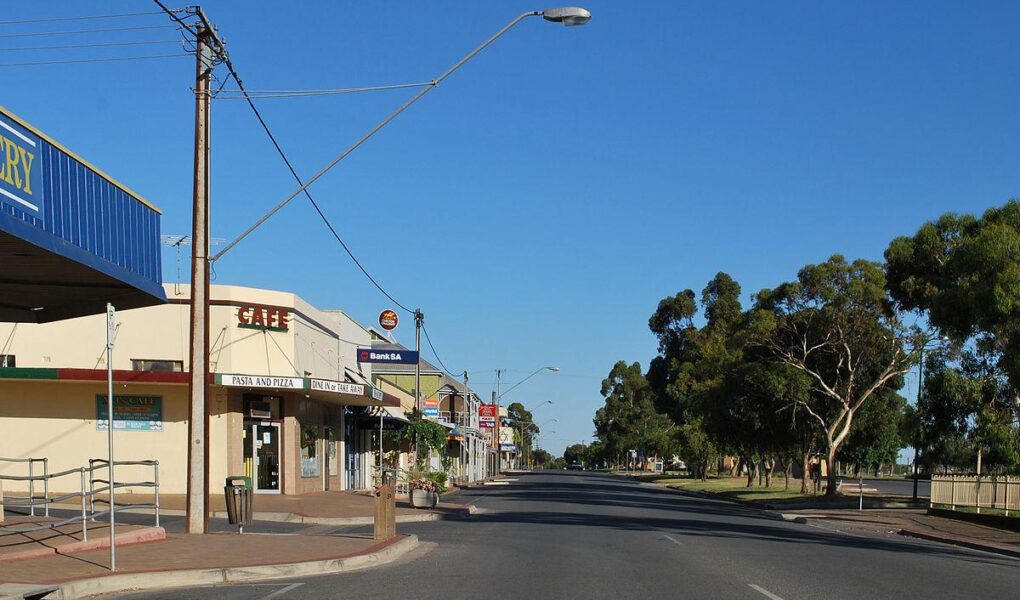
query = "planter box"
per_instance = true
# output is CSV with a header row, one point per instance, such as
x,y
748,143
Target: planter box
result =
x,y
423,499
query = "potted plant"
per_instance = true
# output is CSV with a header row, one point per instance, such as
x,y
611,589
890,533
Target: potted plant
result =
x,y
424,492
426,488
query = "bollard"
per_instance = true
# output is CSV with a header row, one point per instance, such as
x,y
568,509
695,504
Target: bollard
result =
x,y
1,500
385,512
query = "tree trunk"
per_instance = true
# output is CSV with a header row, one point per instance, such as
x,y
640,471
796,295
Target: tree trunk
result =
x,y
830,455
770,466
751,472
805,463
786,473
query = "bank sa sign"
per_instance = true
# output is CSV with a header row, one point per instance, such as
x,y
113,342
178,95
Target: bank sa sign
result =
x,y
393,357
20,168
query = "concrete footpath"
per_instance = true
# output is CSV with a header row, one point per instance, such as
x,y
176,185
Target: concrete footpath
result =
x,y
916,523
186,560
898,518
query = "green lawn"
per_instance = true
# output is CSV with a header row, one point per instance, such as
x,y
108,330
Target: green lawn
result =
x,y
735,488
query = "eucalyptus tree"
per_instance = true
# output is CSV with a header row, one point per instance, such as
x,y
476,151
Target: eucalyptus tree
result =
x,y
837,325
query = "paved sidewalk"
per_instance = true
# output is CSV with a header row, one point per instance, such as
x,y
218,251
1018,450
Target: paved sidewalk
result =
x,y
66,539
183,560
917,523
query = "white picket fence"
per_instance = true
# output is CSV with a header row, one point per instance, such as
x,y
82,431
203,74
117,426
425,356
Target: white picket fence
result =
x,y
1001,493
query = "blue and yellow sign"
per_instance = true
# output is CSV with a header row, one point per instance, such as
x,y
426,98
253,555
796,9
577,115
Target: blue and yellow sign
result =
x,y
20,168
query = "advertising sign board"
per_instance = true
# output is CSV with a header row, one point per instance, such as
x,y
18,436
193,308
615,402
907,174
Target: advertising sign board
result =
x,y
388,320
393,357
487,415
21,184
432,408
130,413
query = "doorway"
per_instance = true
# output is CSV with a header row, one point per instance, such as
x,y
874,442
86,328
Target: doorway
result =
x,y
266,451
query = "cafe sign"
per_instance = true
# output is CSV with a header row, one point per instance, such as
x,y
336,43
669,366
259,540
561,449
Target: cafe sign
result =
x,y
266,318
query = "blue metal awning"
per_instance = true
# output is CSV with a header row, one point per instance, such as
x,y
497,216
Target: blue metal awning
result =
x,y
71,237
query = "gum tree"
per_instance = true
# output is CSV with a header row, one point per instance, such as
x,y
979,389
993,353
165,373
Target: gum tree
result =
x,y
837,325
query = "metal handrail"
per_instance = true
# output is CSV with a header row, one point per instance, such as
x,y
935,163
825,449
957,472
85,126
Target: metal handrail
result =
x,y
87,494
401,477
97,464
31,480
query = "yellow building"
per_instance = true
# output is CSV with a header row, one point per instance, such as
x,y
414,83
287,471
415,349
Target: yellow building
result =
x,y
289,404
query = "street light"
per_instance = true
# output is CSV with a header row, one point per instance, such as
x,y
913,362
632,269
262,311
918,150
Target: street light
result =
x,y
201,263
570,16
536,372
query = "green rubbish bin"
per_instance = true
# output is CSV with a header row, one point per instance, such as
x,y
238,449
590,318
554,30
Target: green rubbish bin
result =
x,y
240,499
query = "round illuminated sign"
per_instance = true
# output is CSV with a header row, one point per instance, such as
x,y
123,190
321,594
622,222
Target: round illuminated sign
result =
x,y
388,320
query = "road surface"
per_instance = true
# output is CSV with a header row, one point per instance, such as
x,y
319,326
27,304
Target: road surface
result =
x,y
562,535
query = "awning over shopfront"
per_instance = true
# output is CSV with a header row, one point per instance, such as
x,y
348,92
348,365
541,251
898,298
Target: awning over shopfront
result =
x,y
71,238
323,390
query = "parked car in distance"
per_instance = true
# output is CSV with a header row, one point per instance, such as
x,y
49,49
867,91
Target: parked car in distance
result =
x,y
575,467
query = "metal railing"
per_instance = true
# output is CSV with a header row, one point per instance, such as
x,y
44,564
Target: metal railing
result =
x,y
977,492
86,494
98,464
31,502
31,481
399,477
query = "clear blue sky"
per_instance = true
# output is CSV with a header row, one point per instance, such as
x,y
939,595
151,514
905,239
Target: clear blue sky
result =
x,y
540,202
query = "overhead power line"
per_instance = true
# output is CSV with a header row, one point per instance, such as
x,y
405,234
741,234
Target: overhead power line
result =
x,y
234,94
100,45
83,18
92,60
436,354
84,31
297,178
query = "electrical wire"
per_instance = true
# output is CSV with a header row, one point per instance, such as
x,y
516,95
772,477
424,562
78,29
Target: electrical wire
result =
x,y
85,18
77,46
233,94
173,15
297,178
91,60
79,31
436,354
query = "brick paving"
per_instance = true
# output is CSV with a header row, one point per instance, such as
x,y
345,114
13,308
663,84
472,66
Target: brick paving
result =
x,y
66,538
179,552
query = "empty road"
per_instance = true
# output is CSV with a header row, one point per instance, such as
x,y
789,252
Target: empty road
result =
x,y
586,535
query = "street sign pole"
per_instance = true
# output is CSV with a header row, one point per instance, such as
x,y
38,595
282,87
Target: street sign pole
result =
x,y
110,331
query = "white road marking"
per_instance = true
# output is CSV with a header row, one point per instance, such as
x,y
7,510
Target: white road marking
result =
x,y
675,541
764,591
282,591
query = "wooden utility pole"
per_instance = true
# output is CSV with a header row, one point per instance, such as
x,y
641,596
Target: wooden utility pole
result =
x,y
198,387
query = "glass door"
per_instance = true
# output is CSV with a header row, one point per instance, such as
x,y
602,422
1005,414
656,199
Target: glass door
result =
x,y
266,450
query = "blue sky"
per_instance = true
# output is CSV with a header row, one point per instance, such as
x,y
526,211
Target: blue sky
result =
x,y
540,202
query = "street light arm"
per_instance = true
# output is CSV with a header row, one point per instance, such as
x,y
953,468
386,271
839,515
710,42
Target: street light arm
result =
x,y
371,132
537,371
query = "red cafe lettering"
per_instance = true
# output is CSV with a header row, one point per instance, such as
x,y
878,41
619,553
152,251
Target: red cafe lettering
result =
x,y
262,317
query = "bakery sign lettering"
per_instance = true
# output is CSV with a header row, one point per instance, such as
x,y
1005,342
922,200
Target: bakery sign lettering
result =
x,y
269,318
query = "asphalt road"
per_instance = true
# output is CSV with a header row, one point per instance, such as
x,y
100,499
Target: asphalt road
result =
x,y
895,487
564,535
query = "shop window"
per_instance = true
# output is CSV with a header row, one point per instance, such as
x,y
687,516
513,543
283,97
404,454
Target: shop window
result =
x,y
7,361
309,455
139,364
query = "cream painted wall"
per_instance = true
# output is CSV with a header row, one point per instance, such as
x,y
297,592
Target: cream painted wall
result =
x,y
57,420
313,342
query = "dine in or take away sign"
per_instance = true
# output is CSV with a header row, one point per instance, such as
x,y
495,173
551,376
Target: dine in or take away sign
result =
x,y
269,318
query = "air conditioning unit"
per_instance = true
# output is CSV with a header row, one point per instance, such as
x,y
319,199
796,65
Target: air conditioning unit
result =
x,y
260,410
